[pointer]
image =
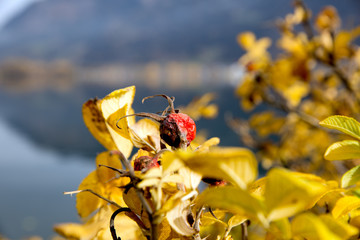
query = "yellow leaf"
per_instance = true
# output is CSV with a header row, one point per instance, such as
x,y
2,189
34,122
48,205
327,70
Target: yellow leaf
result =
x,y
232,199
341,229
287,193
280,229
236,165
311,227
328,19
201,107
133,202
345,205
208,219
116,100
112,103
98,227
347,149
190,178
105,174
95,122
350,177
246,40
344,124
145,134
236,220
86,202
209,143
296,92
178,219
118,124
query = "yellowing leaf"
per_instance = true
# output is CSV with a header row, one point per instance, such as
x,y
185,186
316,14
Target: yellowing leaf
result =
x,y
236,165
119,124
345,205
232,199
98,227
178,219
102,181
311,227
246,39
86,202
287,193
351,177
347,149
112,103
167,233
344,124
95,122
116,100
296,92
201,107
341,229
133,202
236,220
342,47
105,174
145,134
191,179
280,229
207,144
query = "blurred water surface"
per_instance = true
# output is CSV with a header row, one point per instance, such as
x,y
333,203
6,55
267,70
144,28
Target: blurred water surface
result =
x,y
32,182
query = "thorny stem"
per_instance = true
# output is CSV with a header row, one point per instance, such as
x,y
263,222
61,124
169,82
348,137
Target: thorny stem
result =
x,y
196,225
96,194
112,220
120,171
139,193
130,214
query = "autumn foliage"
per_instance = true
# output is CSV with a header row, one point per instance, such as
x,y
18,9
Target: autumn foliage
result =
x,y
146,187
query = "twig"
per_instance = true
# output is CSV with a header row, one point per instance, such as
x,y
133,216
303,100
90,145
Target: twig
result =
x,y
112,222
122,173
244,232
139,193
96,194
196,225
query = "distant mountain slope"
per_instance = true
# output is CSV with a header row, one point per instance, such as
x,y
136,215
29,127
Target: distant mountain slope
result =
x,y
98,31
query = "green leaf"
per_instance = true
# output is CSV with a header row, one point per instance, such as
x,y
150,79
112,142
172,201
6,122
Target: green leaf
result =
x,y
343,150
344,124
232,199
350,177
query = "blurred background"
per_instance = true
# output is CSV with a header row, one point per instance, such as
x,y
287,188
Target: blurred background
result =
x,y
56,54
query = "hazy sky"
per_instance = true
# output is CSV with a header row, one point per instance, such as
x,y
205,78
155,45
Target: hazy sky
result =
x,y
10,8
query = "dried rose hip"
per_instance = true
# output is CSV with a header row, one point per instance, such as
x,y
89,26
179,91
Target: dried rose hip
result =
x,y
145,162
176,129
214,182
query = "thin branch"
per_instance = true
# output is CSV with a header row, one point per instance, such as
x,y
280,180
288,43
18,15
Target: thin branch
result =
x,y
139,193
96,194
123,173
196,225
244,232
112,222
